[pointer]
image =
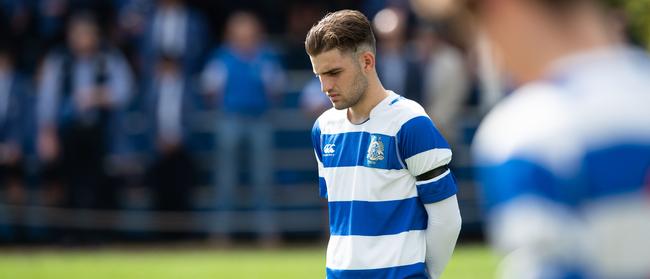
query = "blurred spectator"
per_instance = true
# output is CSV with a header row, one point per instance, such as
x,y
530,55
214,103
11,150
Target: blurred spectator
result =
x,y
396,67
241,78
174,29
132,17
301,17
446,80
12,126
83,88
16,25
50,15
313,101
168,104
16,16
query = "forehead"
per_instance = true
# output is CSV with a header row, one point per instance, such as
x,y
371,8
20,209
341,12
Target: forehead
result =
x,y
331,59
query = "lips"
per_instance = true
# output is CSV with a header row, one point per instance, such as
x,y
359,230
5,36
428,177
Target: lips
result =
x,y
332,96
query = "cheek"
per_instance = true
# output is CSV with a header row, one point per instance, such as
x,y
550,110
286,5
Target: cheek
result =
x,y
346,82
359,82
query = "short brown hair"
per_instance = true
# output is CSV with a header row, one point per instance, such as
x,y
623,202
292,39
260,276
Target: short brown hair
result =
x,y
345,30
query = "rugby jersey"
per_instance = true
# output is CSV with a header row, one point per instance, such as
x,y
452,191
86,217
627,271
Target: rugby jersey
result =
x,y
367,173
565,162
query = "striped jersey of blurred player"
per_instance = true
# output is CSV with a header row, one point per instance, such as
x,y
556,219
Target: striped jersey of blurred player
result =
x,y
565,159
382,164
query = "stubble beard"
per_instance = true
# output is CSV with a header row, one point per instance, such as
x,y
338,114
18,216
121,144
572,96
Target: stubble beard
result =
x,y
356,93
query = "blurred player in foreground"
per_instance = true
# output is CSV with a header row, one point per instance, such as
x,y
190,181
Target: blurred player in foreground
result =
x,y
565,159
382,164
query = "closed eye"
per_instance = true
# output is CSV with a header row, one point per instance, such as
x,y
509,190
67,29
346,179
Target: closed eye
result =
x,y
332,73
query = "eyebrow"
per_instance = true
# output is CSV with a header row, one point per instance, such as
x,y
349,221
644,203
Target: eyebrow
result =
x,y
330,71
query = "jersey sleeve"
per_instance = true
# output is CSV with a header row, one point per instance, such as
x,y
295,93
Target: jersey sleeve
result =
x,y
316,143
421,149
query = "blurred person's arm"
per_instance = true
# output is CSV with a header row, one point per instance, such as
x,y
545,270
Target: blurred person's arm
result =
x,y
426,155
213,79
47,106
117,92
11,149
48,92
491,77
10,146
447,87
274,78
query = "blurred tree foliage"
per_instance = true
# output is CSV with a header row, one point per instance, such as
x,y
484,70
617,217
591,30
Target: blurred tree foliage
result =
x,y
637,17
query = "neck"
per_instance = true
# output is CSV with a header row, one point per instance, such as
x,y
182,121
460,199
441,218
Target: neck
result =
x,y
587,33
375,93
584,31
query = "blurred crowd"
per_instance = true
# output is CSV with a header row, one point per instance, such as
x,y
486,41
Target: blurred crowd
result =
x,y
73,73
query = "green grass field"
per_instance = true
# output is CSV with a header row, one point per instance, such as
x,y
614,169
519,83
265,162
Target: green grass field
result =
x,y
469,262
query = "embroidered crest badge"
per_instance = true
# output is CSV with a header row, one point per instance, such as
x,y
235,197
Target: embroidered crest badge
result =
x,y
376,149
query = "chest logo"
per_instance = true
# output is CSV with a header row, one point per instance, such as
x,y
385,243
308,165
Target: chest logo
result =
x,y
376,149
328,149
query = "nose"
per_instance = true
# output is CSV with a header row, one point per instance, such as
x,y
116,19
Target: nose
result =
x,y
326,85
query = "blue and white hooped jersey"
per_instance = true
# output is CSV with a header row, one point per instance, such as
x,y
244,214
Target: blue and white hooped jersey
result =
x,y
566,162
367,173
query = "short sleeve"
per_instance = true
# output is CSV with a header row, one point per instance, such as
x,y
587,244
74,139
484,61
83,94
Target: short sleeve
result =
x,y
421,149
316,143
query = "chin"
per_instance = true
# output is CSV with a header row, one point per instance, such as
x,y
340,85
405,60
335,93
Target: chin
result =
x,y
339,105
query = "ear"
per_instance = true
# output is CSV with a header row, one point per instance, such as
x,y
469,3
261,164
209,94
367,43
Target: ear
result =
x,y
367,61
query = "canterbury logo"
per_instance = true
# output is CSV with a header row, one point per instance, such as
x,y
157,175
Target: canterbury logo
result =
x,y
329,148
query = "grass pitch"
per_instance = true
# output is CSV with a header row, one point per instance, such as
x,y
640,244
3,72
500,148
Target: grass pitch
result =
x,y
468,262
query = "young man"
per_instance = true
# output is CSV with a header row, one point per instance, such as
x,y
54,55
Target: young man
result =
x,y
565,159
383,166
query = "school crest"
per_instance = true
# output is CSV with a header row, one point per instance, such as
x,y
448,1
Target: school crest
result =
x,y
375,150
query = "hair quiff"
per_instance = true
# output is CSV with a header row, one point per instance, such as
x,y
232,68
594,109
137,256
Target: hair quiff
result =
x,y
345,30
